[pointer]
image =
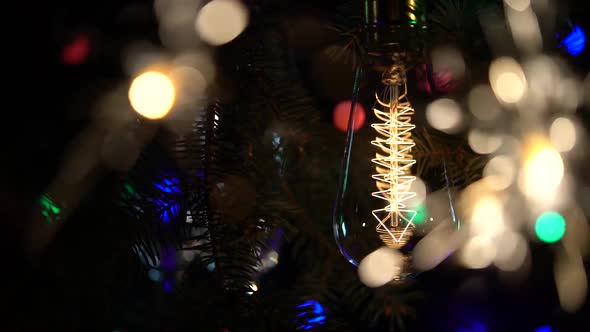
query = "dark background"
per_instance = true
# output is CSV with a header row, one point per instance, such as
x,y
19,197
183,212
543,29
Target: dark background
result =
x,y
51,107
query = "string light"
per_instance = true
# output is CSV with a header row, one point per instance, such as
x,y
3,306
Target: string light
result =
x,y
575,41
221,21
550,227
394,161
311,315
49,209
152,95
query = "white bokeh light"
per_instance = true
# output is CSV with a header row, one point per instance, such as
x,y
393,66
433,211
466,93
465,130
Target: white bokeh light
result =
x,y
571,281
563,134
511,251
190,84
478,253
500,172
525,29
380,267
221,21
484,143
482,103
444,114
519,5
449,60
434,248
507,80
419,188
487,218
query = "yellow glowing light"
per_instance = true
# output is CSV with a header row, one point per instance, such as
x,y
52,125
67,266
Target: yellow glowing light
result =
x,y
254,287
542,172
152,95
393,165
510,87
412,9
220,21
487,218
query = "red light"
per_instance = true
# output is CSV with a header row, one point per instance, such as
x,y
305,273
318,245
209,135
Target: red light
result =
x,y
342,115
76,52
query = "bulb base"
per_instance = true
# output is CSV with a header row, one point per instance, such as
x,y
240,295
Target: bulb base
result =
x,y
395,27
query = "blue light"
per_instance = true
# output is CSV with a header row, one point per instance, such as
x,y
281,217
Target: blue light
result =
x,y
167,286
317,319
167,210
168,202
475,327
169,185
478,327
312,314
575,41
544,329
317,308
168,258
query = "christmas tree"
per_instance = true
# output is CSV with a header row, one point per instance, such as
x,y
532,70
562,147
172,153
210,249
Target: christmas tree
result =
x,y
202,197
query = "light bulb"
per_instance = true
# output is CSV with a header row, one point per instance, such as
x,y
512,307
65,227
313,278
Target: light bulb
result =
x,y
377,204
381,206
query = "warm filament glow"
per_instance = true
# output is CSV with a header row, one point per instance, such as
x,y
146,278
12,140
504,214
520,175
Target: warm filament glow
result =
x,y
393,165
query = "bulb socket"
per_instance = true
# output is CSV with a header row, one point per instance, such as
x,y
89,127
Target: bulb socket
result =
x,y
395,26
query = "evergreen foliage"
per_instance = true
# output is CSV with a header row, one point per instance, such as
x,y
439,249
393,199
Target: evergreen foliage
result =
x,y
257,173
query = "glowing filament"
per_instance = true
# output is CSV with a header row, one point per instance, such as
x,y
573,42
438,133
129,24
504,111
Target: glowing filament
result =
x,y
393,165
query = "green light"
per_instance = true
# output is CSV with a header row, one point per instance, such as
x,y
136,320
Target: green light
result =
x,y
127,193
421,214
48,209
129,188
550,227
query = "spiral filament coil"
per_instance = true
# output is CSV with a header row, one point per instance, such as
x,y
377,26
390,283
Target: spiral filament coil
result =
x,y
393,161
